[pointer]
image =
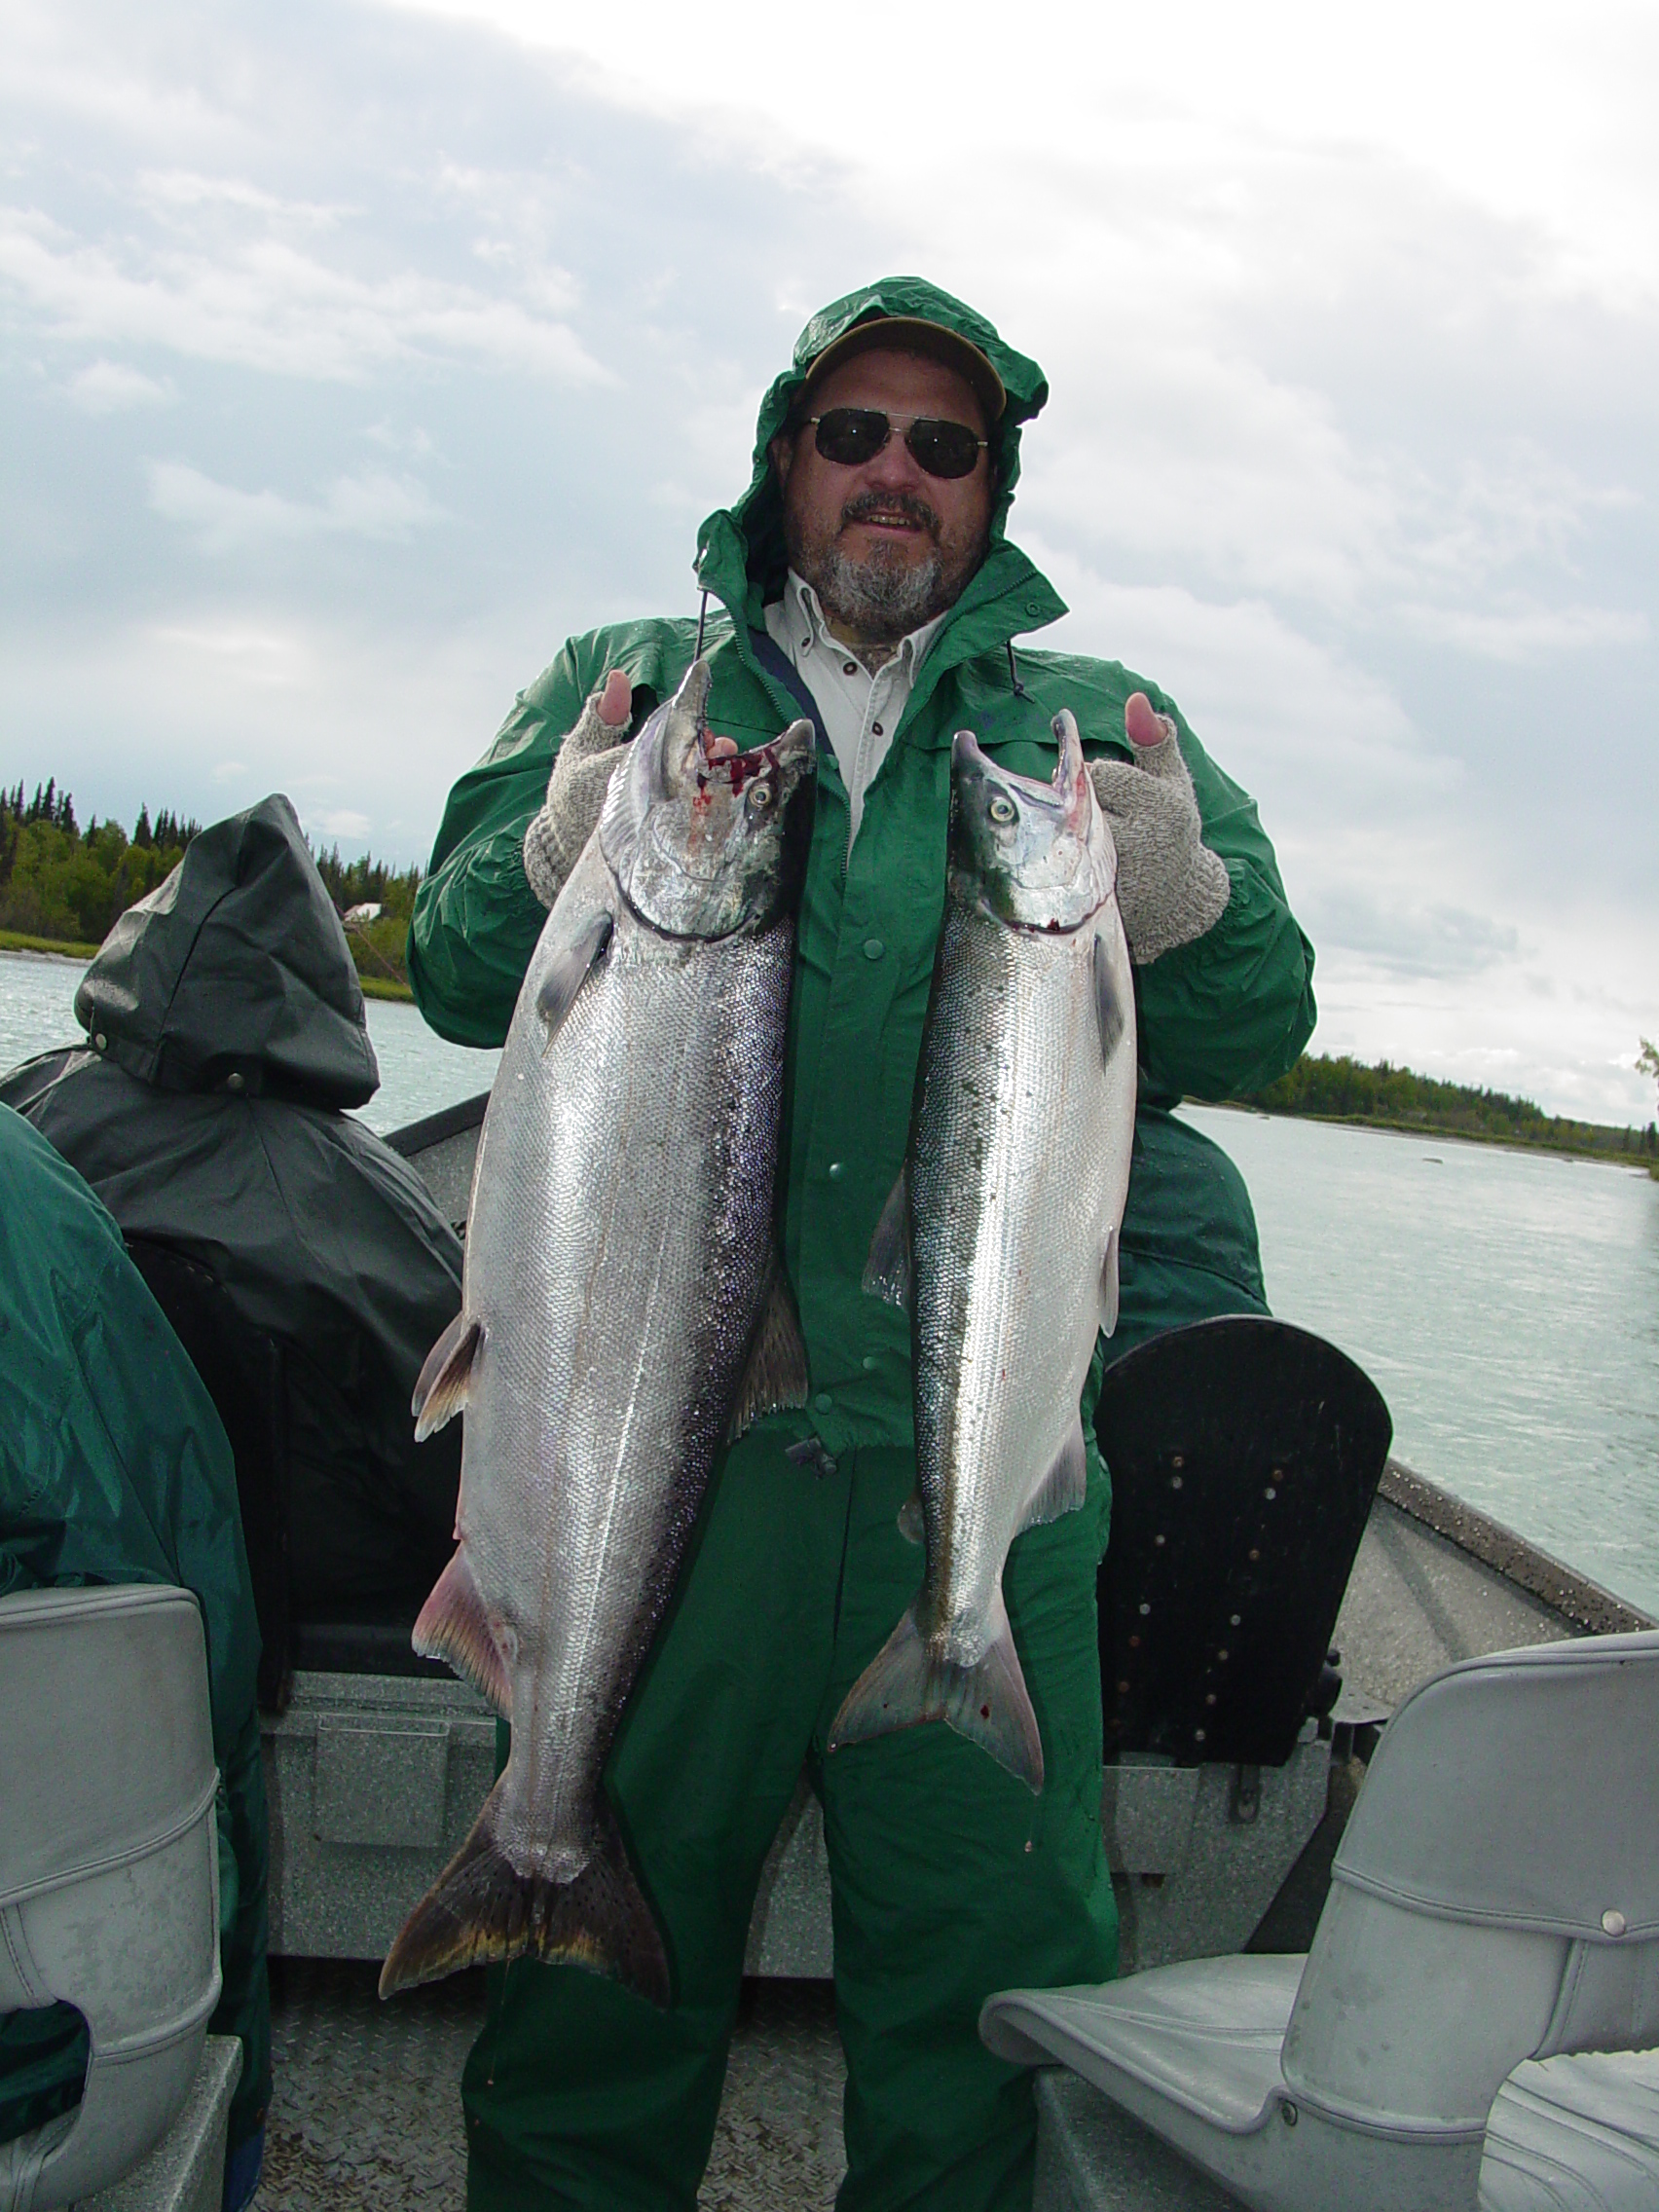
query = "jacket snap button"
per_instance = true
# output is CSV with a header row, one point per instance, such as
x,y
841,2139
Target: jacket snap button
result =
x,y
874,948
823,1403
871,1363
838,1168
1613,1921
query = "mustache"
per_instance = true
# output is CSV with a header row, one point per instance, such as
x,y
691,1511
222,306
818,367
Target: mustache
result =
x,y
865,505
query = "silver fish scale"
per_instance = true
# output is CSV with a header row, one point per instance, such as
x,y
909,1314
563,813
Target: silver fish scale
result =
x,y
1019,1159
617,1267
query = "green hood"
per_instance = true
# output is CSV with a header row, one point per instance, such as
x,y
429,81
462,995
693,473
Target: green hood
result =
x,y
759,515
234,974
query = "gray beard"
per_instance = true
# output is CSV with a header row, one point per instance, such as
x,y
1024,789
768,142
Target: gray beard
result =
x,y
884,599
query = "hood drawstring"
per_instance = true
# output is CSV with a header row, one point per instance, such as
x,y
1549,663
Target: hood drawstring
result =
x,y
702,619
1019,691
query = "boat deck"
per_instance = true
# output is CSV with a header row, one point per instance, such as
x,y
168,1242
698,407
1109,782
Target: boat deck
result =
x,y
366,2111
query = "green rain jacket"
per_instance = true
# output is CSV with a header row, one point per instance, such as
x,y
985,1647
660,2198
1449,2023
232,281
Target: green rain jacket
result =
x,y
114,1468
1219,1017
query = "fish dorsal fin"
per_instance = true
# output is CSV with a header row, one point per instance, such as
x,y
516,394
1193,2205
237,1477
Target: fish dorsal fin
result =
x,y
775,1375
453,1626
1108,1009
447,1377
568,972
888,1269
1109,1286
912,1526
1063,1485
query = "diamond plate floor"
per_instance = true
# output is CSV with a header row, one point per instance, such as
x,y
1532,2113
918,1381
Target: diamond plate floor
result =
x,y
365,2116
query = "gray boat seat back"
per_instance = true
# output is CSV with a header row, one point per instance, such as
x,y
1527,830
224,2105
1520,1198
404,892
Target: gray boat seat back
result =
x,y
1496,1895
109,1879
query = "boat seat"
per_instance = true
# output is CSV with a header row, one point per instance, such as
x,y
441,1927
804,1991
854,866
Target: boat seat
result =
x,y
109,1874
1495,1899
1575,2135
1244,1456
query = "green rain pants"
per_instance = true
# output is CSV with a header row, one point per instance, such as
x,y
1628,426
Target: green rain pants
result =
x,y
951,1880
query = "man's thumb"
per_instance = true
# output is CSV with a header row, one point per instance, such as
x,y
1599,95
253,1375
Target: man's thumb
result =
x,y
617,701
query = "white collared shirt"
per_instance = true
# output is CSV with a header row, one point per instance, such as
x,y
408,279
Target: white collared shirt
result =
x,y
860,711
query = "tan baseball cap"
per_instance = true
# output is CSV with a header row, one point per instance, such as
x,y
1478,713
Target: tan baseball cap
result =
x,y
912,334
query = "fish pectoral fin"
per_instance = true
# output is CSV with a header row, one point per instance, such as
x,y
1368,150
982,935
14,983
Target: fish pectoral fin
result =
x,y
442,1386
1109,1286
1109,1012
482,1909
888,1271
568,970
989,1702
1064,1484
912,1526
455,1625
775,1375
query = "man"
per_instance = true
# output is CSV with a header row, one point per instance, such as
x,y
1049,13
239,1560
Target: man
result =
x,y
114,1468
864,575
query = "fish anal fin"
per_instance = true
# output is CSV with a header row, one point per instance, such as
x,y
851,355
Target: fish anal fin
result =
x,y
1109,1287
568,970
911,1526
442,1388
903,1686
888,1269
481,1909
775,1375
1109,1015
455,1625
1064,1484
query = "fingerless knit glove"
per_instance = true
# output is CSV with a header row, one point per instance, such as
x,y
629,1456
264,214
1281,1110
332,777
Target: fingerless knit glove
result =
x,y
1172,888
575,796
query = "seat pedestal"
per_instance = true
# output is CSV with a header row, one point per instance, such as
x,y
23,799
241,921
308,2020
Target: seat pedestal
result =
x,y
186,2170
1093,2156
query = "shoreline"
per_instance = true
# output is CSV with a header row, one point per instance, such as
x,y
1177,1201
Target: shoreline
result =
x,y
1594,1155
77,955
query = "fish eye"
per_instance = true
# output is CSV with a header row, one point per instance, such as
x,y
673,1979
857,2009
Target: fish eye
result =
x,y
761,795
1002,809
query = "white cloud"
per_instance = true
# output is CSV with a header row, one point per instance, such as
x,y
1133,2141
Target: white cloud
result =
x,y
264,303
1529,633
110,387
225,520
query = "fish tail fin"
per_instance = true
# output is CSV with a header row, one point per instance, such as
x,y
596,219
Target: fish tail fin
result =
x,y
481,1909
989,1702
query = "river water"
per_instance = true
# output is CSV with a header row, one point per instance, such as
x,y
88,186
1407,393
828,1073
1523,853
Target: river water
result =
x,y
1506,1304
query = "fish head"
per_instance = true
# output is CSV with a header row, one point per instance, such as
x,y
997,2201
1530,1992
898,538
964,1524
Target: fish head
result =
x,y
707,844
1036,855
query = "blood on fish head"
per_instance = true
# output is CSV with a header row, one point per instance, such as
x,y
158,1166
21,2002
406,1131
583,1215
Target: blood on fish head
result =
x,y
706,841
1036,855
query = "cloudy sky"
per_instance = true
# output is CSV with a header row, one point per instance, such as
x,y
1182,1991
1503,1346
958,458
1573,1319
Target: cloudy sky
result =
x,y
355,354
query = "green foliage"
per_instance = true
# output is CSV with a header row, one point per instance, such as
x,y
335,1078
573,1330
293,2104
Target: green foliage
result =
x,y
64,885
1343,1090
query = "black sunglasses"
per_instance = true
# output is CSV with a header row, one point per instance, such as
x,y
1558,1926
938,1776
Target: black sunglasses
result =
x,y
851,435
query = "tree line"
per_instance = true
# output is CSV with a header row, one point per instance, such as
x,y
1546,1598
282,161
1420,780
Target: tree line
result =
x,y
70,886
1345,1090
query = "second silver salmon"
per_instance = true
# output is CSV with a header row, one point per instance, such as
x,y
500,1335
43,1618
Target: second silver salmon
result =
x,y
1002,1233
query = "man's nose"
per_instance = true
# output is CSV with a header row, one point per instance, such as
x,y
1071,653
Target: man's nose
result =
x,y
895,469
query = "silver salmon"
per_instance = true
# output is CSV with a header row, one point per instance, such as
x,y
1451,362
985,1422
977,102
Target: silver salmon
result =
x,y
622,1313
1002,1232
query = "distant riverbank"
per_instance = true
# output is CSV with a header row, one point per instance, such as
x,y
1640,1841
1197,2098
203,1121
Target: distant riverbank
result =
x,y
19,940
1562,1148
1350,1093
